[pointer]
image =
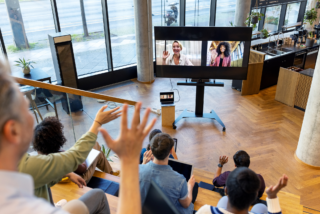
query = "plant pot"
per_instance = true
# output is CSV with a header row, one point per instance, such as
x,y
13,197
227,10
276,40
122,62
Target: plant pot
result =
x,y
254,20
309,42
26,71
318,5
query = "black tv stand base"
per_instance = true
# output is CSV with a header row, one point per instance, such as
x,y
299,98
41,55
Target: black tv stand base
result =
x,y
211,115
199,103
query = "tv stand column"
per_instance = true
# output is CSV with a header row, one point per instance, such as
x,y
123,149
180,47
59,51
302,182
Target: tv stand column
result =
x,y
199,103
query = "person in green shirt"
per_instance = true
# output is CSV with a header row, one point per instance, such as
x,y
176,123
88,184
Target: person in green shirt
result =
x,y
47,170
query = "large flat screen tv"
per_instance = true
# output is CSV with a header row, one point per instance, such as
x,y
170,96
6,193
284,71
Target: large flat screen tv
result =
x,y
204,52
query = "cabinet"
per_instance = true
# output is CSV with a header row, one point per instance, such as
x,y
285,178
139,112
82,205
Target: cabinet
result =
x,y
271,68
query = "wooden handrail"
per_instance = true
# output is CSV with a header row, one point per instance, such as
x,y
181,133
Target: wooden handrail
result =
x,y
74,91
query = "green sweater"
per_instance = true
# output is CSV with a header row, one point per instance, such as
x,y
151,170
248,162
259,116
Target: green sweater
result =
x,y
47,170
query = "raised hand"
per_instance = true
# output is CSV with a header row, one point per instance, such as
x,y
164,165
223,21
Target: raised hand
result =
x,y
147,156
272,191
128,144
104,117
165,55
77,179
223,160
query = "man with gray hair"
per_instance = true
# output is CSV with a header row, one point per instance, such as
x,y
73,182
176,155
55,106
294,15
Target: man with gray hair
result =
x,y
16,131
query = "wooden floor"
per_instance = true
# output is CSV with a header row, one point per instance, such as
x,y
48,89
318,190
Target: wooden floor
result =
x,y
266,129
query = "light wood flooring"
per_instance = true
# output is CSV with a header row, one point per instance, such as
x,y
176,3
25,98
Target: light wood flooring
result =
x,y
268,130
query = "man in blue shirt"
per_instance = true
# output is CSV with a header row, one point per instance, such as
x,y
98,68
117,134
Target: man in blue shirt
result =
x,y
173,184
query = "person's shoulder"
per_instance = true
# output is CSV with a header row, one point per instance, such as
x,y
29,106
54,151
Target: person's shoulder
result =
x,y
206,209
29,205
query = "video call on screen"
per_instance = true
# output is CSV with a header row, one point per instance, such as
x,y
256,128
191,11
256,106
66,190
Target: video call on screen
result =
x,y
218,53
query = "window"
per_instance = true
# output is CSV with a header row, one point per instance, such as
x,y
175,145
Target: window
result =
x,y
87,33
225,12
197,12
165,13
292,13
272,16
122,29
25,26
255,29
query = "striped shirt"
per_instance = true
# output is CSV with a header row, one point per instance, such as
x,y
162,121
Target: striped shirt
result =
x,y
273,208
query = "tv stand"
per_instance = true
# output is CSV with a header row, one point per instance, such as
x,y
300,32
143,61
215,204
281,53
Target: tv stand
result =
x,y
199,103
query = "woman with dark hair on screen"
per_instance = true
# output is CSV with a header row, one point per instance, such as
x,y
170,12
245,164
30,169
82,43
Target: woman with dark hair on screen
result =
x,y
176,58
223,59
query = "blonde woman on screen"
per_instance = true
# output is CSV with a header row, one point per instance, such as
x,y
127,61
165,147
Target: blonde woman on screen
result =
x,y
176,58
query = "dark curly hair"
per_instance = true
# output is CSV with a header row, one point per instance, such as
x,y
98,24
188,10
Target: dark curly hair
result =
x,y
48,136
227,46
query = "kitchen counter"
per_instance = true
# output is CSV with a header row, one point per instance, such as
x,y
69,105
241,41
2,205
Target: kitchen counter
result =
x,y
308,72
290,47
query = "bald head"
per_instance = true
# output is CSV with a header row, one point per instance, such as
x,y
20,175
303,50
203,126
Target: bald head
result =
x,y
9,96
16,121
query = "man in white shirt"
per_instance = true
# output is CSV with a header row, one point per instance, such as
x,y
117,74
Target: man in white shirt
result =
x,y
16,131
242,190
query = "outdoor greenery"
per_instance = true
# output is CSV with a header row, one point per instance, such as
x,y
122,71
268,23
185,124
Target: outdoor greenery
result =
x,y
82,38
253,14
272,20
311,16
25,64
33,45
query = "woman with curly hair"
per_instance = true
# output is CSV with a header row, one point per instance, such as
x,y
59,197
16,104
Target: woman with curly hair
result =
x,y
223,59
49,138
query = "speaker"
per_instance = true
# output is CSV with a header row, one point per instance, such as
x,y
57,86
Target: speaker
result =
x,y
63,59
65,68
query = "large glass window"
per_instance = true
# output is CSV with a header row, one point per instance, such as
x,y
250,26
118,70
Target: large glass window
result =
x,y
272,17
122,28
87,33
197,12
165,13
225,12
25,27
292,13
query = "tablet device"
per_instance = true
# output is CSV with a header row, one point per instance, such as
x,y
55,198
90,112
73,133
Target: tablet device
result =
x,y
182,168
91,157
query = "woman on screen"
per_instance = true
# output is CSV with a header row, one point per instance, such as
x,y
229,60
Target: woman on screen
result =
x,y
176,58
223,59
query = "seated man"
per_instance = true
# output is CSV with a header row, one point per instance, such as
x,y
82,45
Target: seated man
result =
x,y
241,159
242,189
48,138
173,184
144,151
48,170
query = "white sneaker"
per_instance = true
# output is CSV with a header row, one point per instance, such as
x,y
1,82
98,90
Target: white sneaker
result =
x,y
61,203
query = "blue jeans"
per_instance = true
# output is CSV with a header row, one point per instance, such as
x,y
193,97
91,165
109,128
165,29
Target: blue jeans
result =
x,y
257,209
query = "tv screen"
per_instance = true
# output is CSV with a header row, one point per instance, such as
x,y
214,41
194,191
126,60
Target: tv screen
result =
x,y
202,52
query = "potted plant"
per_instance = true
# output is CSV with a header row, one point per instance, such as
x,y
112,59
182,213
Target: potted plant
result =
x,y
25,65
311,16
264,34
318,4
253,19
310,40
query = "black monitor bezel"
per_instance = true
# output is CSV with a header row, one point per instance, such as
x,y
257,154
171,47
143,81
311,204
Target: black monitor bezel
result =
x,y
204,34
